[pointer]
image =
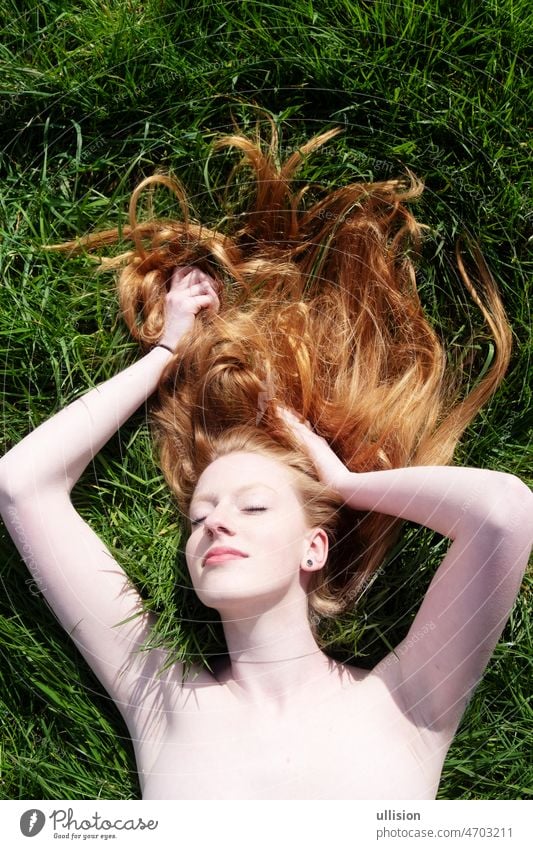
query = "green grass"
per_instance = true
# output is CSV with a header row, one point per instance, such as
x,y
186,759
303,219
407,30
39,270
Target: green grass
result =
x,y
96,95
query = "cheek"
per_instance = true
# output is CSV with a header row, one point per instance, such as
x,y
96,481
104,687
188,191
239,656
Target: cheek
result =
x,y
190,547
281,546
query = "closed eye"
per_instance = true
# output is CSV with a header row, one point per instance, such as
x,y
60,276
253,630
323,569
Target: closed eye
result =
x,y
246,509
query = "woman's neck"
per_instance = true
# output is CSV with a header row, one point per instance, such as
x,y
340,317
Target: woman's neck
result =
x,y
273,661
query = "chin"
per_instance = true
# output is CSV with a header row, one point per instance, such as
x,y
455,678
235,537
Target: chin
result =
x,y
237,599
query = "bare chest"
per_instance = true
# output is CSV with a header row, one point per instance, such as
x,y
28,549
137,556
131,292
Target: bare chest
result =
x,y
358,745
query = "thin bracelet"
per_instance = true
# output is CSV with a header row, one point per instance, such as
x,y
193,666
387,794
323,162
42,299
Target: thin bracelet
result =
x,y
160,345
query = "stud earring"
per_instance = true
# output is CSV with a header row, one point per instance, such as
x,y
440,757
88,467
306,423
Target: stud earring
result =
x,y
309,562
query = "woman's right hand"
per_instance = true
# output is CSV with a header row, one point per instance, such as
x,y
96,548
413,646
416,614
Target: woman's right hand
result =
x,y
333,473
190,291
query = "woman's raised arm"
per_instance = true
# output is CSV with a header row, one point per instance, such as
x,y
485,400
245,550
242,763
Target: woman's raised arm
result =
x,y
86,588
489,516
54,455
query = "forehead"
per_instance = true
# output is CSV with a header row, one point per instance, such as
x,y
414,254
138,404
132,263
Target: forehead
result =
x,y
239,468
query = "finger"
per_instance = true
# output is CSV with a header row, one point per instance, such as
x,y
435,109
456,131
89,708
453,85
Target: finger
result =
x,y
179,273
292,417
205,288
191,290
202,287
296,425
185,277
193,277
199,288
215,302
284,411
201,301
206,283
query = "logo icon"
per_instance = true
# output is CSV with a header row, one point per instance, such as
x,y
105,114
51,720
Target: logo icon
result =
x,y
32,822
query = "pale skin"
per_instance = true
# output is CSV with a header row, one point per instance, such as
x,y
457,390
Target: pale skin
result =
x,y
281,720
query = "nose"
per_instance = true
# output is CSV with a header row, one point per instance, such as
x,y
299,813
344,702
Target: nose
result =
x,y
218,520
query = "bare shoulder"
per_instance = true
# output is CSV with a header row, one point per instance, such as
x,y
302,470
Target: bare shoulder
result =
x,y
380,685
379,689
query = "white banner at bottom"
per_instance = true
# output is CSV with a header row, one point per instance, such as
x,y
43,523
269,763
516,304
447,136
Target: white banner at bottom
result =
x,y
263,824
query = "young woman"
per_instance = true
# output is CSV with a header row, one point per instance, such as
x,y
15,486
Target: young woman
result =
x,y
302,408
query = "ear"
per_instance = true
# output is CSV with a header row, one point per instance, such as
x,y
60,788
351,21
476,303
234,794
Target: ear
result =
x,y
316,546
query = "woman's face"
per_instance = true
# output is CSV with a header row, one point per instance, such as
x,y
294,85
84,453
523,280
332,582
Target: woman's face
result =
x,y
246,501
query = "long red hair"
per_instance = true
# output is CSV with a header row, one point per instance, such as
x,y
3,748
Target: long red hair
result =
x,y
319,312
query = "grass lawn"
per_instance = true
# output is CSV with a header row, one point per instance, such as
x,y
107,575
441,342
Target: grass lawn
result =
x,y
97,95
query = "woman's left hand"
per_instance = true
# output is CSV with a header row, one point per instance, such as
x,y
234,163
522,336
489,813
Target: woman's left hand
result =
x,y
332,471
191,290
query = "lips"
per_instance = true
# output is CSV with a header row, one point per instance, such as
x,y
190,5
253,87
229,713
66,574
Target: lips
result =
x,y
221,553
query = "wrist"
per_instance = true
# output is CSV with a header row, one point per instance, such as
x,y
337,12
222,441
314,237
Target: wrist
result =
x,y
350,488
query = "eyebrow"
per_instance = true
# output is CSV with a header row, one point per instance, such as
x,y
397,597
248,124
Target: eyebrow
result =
x,y
211,496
